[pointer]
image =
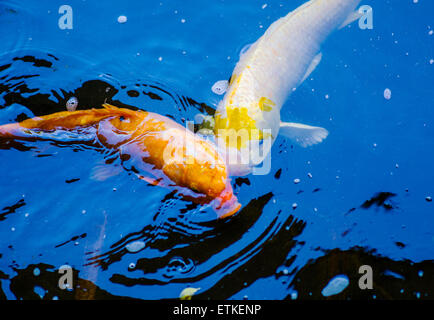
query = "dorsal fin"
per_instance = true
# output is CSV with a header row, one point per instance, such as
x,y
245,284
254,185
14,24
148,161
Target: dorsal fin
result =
x,y
275,25
110,106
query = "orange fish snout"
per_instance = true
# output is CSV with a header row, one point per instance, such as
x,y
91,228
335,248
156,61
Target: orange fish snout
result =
x,y
227,203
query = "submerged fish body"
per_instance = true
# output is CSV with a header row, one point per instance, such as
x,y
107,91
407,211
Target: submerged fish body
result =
x,y
265,76
164,153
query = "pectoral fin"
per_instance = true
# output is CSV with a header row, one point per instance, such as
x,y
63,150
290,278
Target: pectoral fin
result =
x,y
356,15
303,134
315,62
102,172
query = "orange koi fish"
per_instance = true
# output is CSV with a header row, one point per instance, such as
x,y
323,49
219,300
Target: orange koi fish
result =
x,y
169,154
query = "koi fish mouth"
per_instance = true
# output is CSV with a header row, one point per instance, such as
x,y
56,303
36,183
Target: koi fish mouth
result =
x,y
226,204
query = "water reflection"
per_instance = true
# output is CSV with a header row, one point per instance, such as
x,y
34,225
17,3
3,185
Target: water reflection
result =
x,y
128,236
181,242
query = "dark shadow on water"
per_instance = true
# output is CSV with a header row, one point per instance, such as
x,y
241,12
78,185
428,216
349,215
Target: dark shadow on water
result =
x,y
392,279
397,280
91,94
25,284
380,199
176,242
264,263
11,209
174,235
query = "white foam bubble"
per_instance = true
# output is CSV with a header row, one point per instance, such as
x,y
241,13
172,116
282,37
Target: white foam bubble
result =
x,y
135,246
122,19
335,286
220,87
387,94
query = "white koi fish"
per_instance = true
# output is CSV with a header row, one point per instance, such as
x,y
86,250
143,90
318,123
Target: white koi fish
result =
x,y
248,117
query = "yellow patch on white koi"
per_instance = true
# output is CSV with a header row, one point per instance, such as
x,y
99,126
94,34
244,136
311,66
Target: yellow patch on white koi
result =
x,y
188,293
238,123
266,104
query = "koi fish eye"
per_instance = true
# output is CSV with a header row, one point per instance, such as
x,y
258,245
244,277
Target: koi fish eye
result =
x,y
124,119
